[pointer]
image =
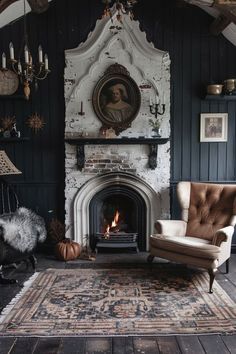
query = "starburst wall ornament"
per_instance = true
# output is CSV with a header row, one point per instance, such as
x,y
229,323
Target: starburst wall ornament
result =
x,y
35,122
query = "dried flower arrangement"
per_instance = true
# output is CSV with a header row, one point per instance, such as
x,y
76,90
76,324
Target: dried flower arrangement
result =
x,y
35,122
57,230
155,124
7,123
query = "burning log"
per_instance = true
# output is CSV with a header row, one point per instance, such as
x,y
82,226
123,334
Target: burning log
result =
x,y
117,225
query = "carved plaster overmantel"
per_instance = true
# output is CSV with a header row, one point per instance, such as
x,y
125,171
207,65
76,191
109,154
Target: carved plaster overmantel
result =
x,y
149,68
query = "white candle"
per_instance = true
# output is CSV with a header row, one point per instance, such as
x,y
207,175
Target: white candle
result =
x,y
26,51
150,101
46,61
157,99
40,54
4,62
11,51
19,67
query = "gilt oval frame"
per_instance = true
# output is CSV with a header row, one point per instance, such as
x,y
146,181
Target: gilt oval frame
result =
x,y
120,119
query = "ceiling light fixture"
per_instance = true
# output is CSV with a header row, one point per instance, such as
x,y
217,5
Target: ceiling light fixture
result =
x,y
27,71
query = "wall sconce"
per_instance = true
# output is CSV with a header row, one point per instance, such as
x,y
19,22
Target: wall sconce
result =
x,y
157,107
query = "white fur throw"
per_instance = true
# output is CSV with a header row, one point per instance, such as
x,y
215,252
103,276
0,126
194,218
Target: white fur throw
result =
x,y
23,229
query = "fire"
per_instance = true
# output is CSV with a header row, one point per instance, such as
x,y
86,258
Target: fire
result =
x,y
113,224
116,219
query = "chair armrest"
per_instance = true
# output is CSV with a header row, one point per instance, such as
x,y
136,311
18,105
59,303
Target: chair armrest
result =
x,y
171,227
223,235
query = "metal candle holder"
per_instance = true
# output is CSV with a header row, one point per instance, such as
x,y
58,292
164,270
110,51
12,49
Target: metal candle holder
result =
x,y
157,108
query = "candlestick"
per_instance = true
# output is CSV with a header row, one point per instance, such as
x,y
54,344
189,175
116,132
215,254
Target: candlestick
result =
x,y
81,113
26,52
19,67
46,61
157,108
11,51
40,54
4,63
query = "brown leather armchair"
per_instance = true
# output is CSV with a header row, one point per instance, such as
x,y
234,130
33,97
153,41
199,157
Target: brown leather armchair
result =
x,y
203,237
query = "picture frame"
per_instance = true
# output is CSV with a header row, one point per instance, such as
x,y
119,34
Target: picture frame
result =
x,y
213,127
116,98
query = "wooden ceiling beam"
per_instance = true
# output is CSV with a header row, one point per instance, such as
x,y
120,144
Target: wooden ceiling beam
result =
x,y
5,3
219,24
225,2
228,11
37,6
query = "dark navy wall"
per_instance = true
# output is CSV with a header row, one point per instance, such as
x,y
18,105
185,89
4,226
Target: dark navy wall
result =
x,y
197,58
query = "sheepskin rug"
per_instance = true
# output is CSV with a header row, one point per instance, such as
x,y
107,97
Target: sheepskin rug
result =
x,y
23,229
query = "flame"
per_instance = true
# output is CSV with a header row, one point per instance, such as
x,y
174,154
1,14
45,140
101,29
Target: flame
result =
x,y
116,219
114,222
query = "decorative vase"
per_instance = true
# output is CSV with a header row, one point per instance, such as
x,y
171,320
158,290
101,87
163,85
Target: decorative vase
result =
x,y
156,133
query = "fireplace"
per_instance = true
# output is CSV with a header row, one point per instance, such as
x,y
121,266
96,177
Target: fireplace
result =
x,y
119,214
122,170
116,189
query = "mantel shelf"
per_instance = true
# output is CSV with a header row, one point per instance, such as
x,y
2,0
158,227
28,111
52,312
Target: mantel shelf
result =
x,y
13,140
80,142
13,97
220,97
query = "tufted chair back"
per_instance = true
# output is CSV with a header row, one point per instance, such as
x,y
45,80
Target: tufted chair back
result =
x,y
207,207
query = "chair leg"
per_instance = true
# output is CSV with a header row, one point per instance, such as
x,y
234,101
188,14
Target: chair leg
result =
x,y
212,274
33,261
227,266
150,258
6,280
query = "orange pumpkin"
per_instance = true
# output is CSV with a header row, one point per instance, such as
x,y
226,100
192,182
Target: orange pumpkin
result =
x,y
67,250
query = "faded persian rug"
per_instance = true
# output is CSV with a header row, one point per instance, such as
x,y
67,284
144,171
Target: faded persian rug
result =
x,y
111,302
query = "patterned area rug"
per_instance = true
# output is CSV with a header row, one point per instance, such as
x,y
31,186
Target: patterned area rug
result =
x,y
110,302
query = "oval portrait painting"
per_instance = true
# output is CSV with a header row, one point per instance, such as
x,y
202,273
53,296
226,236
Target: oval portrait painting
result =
x,y
116,101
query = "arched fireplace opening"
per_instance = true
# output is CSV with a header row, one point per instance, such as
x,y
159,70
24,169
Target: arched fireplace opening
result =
x,y
118,210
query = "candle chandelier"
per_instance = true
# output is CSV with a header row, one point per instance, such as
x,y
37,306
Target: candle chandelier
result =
x,y
27,71
122,7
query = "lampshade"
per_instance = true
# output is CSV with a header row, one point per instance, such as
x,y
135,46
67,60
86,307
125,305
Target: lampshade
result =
x,y
6,166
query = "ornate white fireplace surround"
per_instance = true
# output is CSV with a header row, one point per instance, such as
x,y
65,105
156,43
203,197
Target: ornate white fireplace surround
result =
x,y
98,183
117,164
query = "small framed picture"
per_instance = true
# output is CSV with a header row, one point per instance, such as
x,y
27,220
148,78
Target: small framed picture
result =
x,y
214,127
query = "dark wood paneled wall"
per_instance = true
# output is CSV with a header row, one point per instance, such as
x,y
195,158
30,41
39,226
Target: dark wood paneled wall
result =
x,y
197,58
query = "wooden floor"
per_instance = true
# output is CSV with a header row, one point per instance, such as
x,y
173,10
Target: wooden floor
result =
x,y
191,344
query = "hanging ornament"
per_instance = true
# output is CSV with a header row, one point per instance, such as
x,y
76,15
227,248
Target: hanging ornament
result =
x,y
7,123
35,122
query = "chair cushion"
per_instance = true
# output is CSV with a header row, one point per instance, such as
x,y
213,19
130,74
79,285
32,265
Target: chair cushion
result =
x,y
189,246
